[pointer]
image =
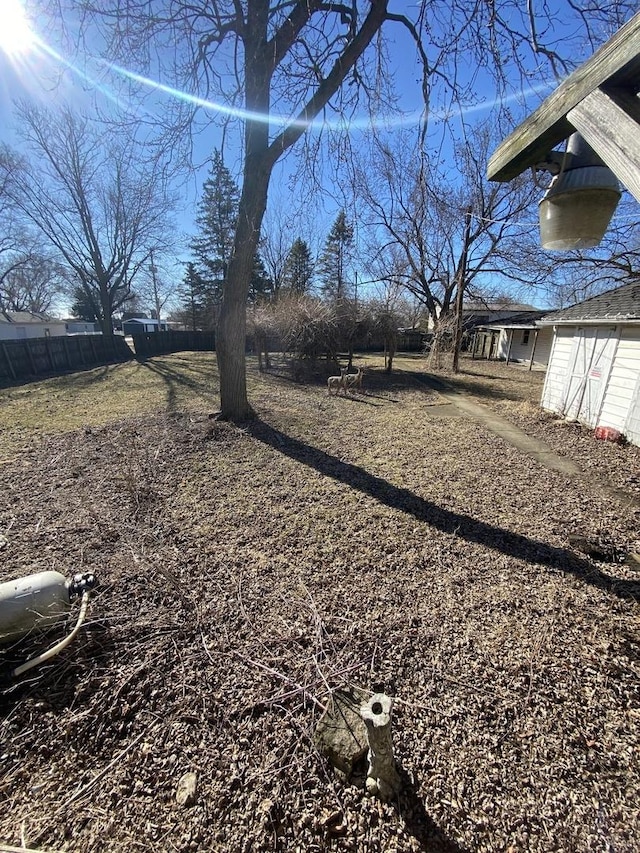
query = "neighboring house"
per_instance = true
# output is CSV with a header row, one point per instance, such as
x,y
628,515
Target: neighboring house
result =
x,y
594,368
519,339
142,325
18,325
477,312
80,327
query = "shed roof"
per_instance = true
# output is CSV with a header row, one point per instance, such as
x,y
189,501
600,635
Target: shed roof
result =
x,y
617,305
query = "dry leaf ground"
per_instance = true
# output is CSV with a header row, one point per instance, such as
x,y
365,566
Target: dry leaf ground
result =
x,y
384,540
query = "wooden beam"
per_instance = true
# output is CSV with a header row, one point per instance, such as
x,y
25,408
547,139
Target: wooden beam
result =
x,y
616,63
610,123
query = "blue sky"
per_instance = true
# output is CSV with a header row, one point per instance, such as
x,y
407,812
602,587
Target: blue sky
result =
x,y
44,70
38,65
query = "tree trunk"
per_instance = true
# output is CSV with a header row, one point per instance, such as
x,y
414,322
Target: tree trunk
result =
x,y
391,351
258,164
231,333
106,321
259,159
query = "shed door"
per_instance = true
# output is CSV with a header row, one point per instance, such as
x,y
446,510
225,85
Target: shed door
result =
x,y
593,351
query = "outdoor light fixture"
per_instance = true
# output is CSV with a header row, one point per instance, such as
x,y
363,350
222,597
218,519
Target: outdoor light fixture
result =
x,y
578,205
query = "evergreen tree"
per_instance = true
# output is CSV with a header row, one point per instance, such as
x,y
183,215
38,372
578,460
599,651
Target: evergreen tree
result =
x,y
298,269
216,219
335,258
261,287
193,295
83,306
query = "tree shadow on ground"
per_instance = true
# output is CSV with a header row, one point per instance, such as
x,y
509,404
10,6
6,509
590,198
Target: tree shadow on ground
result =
x,y
454,523
418,821
72,379
175,378
465,384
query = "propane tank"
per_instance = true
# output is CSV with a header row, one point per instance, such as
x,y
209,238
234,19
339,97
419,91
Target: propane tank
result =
x,y
37,601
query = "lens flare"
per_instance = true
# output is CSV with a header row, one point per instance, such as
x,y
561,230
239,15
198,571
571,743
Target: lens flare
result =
x,y
25,50
358,123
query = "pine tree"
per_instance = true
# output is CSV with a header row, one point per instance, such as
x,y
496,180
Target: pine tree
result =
x,y
193,295
335,258
83,307
216,219
298,269
261,287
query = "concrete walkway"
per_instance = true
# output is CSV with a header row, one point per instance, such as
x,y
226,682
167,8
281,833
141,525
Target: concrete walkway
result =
x,y
533,447
511,433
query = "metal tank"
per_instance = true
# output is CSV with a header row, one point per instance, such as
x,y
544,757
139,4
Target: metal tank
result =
x,y
37,601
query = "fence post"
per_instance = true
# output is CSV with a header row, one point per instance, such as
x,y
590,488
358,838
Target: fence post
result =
x,y
27,346
47,346
5,352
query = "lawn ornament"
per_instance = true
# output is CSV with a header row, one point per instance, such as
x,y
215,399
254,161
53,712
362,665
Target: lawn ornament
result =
x,y
39,601
383,779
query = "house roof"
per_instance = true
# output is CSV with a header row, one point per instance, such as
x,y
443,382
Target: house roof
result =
x,y
145,320
526,320
22,317
622,304
506,308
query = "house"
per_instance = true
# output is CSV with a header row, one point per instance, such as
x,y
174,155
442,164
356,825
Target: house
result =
x,y
18,325
477,312
81,327
594,367
142,325
519,339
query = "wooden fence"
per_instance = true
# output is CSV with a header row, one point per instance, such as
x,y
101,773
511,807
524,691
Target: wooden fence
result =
x,y
162,343
39,356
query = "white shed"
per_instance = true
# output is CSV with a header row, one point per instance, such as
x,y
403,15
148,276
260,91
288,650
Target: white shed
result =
x,y
594,368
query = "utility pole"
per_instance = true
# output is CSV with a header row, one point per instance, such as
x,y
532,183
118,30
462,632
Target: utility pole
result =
x,y
462,274
153,269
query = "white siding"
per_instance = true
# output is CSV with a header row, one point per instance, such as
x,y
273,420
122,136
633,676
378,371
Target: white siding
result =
x,y
20,331
623,379
558,369
543,346
519,351
632,428
620,406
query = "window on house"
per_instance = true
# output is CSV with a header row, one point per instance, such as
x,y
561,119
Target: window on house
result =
x,y
525,337
47,333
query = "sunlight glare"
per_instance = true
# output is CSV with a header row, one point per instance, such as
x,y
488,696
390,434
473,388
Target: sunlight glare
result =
x,y
16,35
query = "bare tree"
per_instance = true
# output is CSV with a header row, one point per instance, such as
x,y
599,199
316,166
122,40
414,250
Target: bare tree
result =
x,y
280,65
275,244
154,288
420,218
99,206
290,58
32,283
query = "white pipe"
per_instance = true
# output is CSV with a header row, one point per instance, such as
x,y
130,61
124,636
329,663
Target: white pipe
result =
x,y
58,646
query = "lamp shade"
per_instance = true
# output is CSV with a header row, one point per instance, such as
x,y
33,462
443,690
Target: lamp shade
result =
x,y
576,209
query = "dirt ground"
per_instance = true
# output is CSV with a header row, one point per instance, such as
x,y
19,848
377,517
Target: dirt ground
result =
x,y
384,541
